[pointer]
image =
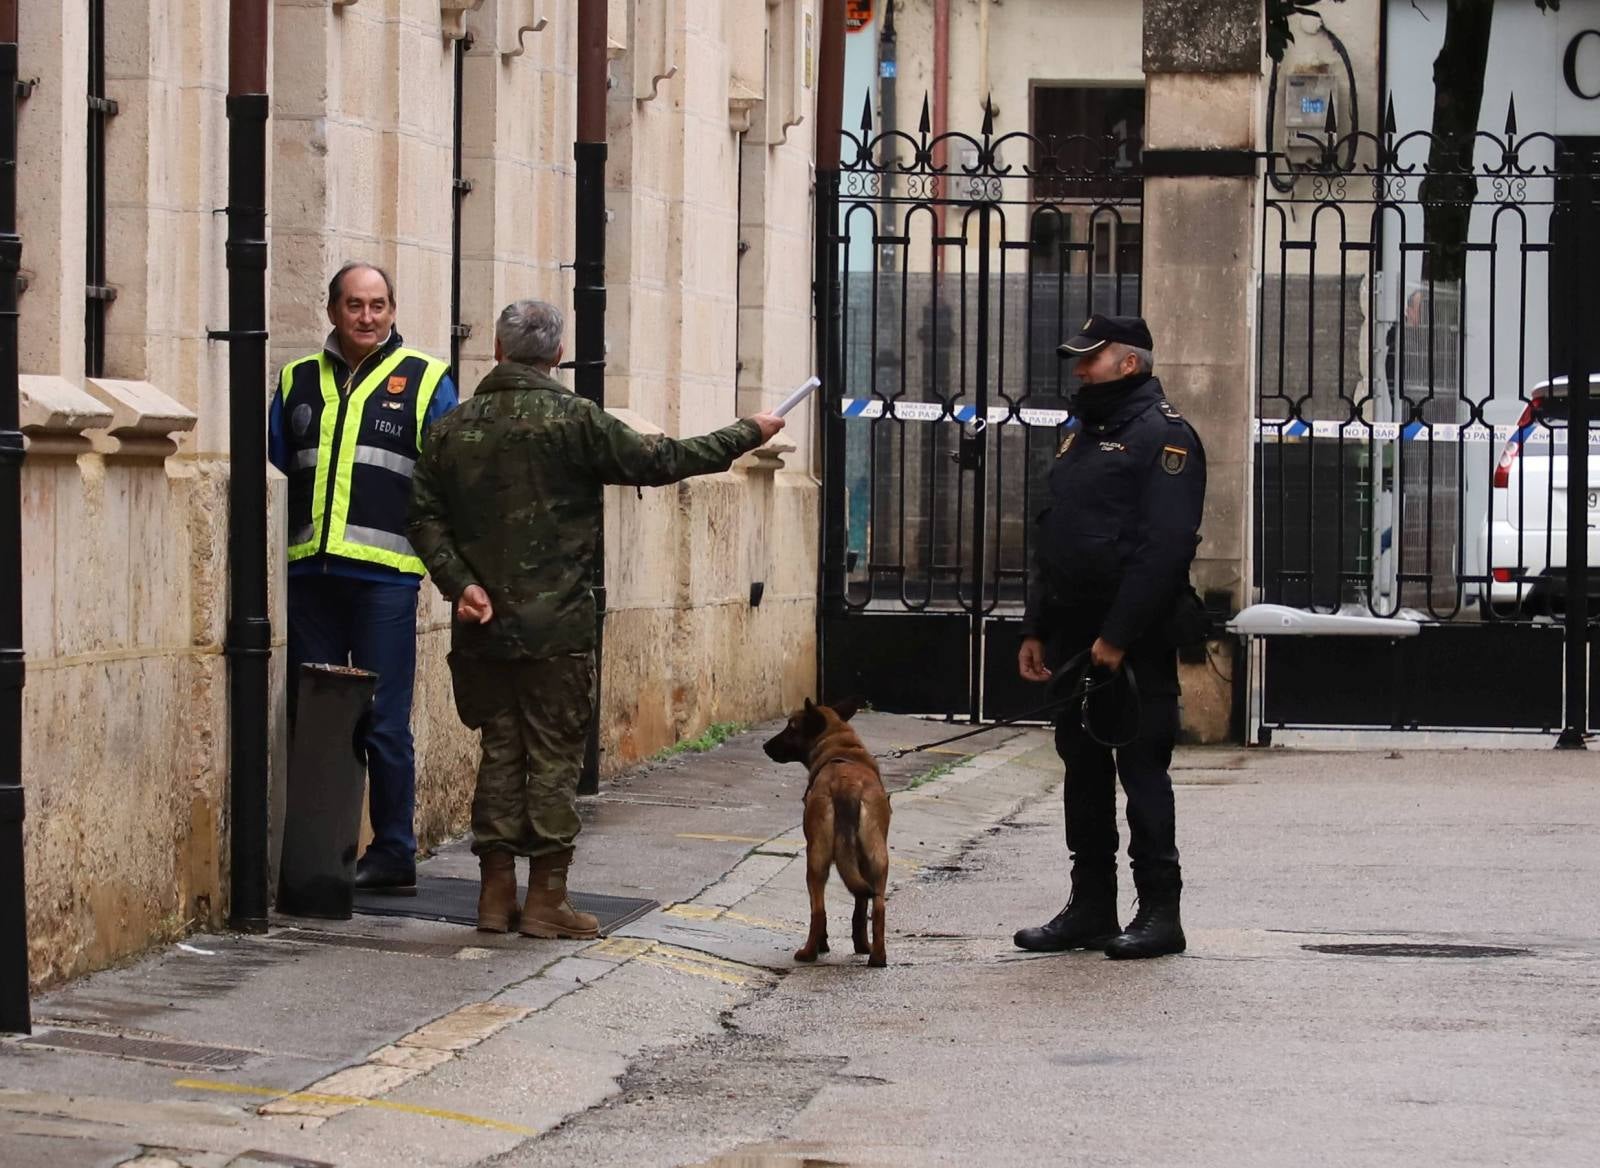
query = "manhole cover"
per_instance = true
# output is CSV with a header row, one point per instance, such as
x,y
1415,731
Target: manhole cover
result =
x,y
1399,949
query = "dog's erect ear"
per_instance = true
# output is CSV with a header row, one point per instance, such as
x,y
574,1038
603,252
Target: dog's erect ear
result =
x,y
814,722
811,707
846,708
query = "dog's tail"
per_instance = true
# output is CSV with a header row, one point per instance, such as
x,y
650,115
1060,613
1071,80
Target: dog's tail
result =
x,y
851,857
846,818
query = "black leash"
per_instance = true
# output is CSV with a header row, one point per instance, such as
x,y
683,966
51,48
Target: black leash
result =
x,y
1081,691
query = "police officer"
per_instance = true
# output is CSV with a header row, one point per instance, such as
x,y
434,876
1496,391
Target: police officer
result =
x,y
346,426
1110,568
505,511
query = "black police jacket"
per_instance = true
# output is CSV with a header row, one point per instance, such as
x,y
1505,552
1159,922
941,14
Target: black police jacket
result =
x,y
1114,545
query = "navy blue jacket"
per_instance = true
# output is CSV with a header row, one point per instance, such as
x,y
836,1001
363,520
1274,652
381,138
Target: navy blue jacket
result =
x,y
1114,545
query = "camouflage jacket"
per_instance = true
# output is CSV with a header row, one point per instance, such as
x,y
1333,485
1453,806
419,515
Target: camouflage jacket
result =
x,y
507,495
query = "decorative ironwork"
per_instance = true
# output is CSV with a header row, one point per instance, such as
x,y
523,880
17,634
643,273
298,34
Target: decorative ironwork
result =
x,y
964,261
1418,316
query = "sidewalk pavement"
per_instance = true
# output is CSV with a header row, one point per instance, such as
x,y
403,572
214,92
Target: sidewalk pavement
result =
x,y
693,1035
340,1015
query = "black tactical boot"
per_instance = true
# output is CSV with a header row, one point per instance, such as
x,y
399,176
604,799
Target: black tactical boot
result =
x,y
1088,921
1156,929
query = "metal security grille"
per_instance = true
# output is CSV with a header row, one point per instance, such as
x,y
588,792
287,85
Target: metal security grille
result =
x,y
1423,312
953,266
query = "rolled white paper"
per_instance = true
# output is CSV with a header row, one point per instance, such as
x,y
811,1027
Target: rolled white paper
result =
x,y
798,396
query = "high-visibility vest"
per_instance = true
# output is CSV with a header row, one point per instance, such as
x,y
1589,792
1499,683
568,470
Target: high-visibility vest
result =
x,y
351,455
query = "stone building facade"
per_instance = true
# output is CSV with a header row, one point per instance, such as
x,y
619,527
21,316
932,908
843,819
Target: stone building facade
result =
x,y
125,396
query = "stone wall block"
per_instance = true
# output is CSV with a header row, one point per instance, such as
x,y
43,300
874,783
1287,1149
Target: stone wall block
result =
x,y
300,64
1223,36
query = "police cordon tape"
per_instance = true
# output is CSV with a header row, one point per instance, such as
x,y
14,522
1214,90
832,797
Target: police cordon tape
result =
x,y
1292,430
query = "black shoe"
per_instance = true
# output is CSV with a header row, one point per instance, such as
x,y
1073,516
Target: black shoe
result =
x,y
1088,922
1156,929
375,873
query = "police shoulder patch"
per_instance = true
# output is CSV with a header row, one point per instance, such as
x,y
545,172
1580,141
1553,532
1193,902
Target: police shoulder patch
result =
x,y
1174,459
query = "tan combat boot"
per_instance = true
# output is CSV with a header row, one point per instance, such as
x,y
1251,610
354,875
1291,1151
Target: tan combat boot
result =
x,y
546,912
497,892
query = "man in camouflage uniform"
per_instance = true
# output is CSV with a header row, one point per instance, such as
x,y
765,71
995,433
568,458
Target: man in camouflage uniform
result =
x,y
505,511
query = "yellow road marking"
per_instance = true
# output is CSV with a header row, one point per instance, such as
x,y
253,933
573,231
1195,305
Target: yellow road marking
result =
x,y
760,922
695,970
622,947
703,912
354,1101
722,839
694,912
704,959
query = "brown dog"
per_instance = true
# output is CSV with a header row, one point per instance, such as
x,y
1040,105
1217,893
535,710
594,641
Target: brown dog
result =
x,y
846,820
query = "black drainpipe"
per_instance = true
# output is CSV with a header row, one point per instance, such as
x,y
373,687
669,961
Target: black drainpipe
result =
x,y
589,300
825,290
460,188
249,635
15,1017
98,295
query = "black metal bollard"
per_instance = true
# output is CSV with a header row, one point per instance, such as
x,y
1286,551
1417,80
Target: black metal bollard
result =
x,y
327,769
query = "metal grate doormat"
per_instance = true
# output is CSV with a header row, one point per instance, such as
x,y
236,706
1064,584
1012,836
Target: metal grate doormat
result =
x,y
1387,949
444,898
148,1050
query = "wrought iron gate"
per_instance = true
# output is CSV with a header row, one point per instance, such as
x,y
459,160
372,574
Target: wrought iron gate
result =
x,y
1425,326
949,269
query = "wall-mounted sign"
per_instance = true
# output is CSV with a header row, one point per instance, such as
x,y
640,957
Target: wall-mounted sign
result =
x,y
858,14
1569,64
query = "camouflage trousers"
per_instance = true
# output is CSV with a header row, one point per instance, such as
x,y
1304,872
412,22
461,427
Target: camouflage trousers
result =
x,y
534,717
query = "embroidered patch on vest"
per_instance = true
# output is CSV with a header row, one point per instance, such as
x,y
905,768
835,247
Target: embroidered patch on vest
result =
x,y
393,405
397,385
1066,444
1113,448
1173,459
300,420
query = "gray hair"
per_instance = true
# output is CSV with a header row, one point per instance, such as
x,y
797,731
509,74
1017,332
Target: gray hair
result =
x,y
529,332
1147,359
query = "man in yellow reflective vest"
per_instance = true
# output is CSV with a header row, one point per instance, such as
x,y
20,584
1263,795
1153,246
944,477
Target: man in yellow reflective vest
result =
x,y
345,427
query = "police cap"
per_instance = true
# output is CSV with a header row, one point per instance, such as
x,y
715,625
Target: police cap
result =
x,y
1099,331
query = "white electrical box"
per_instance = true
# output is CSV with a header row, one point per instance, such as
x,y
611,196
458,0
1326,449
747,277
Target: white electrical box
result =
x,y
1307,98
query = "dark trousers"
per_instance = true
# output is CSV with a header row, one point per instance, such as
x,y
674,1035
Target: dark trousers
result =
x,y
1093,769
339,620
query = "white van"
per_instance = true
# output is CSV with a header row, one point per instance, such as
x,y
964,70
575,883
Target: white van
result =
x,y
1523,540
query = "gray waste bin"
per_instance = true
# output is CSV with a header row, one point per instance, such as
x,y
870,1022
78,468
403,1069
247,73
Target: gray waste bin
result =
x,y
327,772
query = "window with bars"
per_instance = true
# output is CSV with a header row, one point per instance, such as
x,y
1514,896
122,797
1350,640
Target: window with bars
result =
x,y
98,295
1084,137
